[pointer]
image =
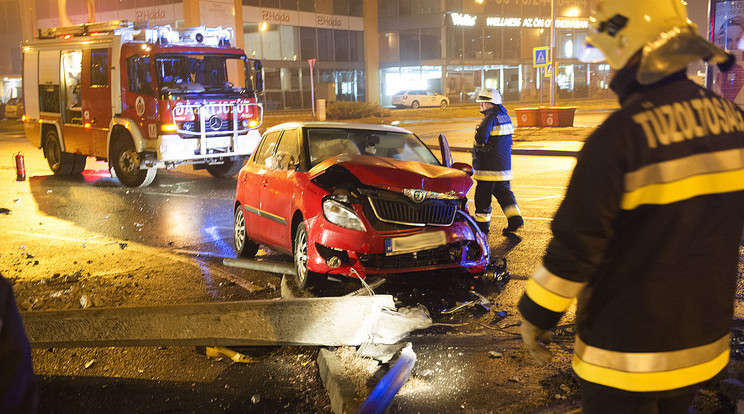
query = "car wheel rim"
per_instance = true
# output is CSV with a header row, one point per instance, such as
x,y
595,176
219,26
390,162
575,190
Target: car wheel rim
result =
x,y
301,257
239,230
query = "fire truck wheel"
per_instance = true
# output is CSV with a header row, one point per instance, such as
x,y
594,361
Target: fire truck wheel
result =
x,y
78,163
60,162
227,169
244,246
126,161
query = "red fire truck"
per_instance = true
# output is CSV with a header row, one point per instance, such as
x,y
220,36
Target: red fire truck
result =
x,y
142,99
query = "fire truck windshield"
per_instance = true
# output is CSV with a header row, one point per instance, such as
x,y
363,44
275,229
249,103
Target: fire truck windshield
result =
x,y
190,74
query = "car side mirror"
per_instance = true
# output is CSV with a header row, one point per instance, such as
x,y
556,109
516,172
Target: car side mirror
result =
x,y
464,167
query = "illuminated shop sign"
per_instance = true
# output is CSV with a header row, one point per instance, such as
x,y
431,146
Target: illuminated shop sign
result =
x,y
459,19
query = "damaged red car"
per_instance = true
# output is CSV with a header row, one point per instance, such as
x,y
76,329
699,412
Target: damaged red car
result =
x,y
356,200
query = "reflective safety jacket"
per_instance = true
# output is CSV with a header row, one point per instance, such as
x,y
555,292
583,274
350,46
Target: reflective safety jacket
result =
x,y
647,239
493,145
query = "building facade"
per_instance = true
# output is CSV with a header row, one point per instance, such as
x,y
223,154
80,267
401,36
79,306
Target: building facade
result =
x,y
458,46
363,50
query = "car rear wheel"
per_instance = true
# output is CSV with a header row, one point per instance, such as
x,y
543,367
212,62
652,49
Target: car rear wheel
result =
x,y
244,246
303,277
127,162
414,105
443,104
227,169
60,162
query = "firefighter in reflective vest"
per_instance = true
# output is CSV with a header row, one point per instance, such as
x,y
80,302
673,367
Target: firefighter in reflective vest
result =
x,y
647,237
492,163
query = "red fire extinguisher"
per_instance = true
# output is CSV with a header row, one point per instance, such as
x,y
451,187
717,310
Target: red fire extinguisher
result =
x,y
20,167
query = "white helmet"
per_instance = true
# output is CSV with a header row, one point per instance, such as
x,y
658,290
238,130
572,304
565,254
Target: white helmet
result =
x,y
660,28
489,95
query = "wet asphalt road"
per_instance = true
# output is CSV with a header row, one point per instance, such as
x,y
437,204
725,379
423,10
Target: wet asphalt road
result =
x,y
190,213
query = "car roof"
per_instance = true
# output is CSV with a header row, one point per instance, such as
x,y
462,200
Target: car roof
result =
x,y
338,125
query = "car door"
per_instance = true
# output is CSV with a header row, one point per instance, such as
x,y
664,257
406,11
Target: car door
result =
x,y
251,184
431,98
278,190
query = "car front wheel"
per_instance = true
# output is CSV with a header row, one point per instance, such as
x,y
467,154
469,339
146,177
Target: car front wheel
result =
x,y
414,105
229,168
303,277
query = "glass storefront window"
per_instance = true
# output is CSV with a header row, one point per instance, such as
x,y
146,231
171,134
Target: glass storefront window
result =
x,y
387,8
252,40
431,43
389,47
512,43
356,8
407,7
453,5
254,3
325,39
274,4
492,42
307,5
307,43
271,42
454,42
341,7
341,45
409,44
356,46
430,6
473,43
290,41
289,4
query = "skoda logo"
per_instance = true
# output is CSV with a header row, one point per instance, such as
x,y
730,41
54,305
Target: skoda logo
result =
x,y
215,123
417,195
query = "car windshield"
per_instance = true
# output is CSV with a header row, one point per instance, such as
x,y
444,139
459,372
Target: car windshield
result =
x,y
201,73
325,143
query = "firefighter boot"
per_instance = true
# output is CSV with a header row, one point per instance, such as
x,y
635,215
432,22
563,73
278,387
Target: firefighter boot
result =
x,y
514,219
514,223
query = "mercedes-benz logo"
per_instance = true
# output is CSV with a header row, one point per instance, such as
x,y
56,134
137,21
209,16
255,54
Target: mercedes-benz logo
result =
x,y
215,123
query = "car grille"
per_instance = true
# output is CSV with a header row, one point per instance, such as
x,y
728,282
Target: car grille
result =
x,y
403,211
440,256
226,126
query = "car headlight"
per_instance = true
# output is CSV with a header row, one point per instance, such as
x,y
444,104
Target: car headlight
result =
x,y
341,215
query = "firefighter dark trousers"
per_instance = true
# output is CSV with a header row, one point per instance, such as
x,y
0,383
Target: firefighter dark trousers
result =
x,y
598,399
505,197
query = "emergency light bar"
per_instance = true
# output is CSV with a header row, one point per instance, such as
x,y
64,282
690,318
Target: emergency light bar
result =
x,y
200,35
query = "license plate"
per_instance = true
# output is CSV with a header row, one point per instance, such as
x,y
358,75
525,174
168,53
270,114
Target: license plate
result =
x,y
408,244
219,142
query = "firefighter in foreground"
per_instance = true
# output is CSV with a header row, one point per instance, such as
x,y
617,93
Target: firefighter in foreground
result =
x,y
492,163
647,237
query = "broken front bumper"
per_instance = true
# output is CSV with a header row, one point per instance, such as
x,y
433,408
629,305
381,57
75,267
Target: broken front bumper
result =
x,y
339,251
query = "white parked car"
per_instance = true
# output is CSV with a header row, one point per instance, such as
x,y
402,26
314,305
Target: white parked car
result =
x,y
419,97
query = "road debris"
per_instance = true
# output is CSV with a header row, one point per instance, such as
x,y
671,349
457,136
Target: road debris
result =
x,y
90,363
479,300
4,210
494,354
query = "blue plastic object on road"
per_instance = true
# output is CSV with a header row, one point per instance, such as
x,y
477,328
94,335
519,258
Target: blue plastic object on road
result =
x,y
380,397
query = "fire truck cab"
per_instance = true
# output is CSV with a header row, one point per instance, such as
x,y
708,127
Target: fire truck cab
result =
x,y
142,99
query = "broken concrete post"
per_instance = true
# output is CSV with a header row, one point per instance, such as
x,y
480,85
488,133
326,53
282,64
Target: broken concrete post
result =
x,y
338,321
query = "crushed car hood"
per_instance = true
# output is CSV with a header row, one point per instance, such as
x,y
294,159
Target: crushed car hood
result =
x,y
397,175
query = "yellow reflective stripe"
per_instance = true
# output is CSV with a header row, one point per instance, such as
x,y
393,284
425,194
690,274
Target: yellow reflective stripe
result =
x,y
685,189
485,175
650,381
546,298
651,361
483,218
674,170
512,211
556,284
